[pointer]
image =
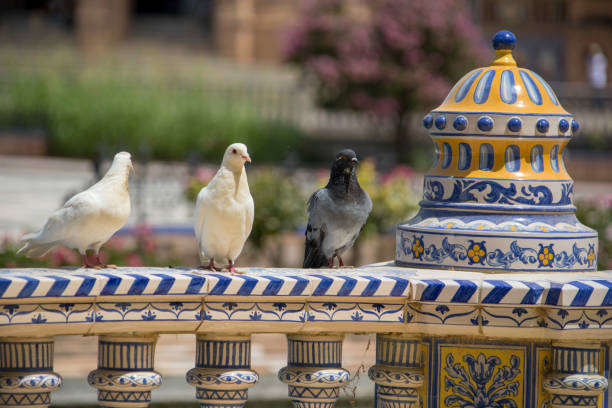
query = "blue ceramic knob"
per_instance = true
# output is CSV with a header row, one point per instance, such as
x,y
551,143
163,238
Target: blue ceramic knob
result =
x,y
504,40
542,125
440,122
428,121
515,125
563,126
575,126
485,123
460,123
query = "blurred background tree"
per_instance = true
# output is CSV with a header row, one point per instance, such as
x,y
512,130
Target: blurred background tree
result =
x,y
386,57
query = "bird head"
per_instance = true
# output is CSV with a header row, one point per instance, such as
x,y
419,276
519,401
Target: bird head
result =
x,y
123,160
345,162
235,156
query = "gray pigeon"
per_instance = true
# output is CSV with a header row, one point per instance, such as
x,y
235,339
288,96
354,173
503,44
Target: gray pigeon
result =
x,y
336,213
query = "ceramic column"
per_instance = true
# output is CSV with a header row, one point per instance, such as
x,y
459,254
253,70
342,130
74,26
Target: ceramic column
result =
x,y
314,370
26,372
125,375
398,372
223,374
575,380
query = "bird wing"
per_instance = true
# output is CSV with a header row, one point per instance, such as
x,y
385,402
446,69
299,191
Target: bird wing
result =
x,y
250,215
62,223
200,215
249,206
316,231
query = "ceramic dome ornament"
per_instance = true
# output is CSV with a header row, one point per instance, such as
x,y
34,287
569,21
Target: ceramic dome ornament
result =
x,y
498,197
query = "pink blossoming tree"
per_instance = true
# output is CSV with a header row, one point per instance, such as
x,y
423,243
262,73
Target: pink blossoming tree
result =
x,y
386,57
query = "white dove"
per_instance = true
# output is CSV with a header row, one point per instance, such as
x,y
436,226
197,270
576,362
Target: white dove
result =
x,y
224,210
89,218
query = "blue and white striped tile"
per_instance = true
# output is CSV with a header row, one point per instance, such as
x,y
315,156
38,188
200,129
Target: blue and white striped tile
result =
x,y
37,283
515,292
445,290
149,281
258,282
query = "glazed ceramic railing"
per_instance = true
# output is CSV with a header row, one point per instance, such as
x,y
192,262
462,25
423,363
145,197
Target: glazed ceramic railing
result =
x,y
445,338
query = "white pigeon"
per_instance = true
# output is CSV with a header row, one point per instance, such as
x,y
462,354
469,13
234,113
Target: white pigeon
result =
x,y
89,218
224,210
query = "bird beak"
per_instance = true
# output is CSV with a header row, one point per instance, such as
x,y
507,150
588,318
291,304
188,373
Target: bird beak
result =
x,y
246,157
354,161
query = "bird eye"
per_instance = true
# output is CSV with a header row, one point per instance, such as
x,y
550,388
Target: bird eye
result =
x,y
234,151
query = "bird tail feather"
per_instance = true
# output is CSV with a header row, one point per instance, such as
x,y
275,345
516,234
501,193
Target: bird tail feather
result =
x,y
35,250
314,257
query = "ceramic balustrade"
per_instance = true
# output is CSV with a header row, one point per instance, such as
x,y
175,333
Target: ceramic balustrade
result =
x,y
444,335
575,379
125,375
26,372
314,372
222,375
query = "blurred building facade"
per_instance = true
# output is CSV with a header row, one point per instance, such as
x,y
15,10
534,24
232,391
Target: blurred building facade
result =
x,y
556,34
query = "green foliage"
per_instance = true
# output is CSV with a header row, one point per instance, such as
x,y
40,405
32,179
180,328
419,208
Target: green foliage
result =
x,y
393,200
598,215
140,251
84,112
279,205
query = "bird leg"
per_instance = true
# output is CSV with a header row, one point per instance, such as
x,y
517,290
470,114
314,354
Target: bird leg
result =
x,y
86,263
233,270
211,266
103,265
330,262
341,264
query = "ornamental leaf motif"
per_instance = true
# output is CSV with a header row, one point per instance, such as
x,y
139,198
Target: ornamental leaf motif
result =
x,y
496,193
485,384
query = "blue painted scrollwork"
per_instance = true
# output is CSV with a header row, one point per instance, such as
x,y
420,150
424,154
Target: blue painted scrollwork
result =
x,y
498,258
456,252
473,252
463,191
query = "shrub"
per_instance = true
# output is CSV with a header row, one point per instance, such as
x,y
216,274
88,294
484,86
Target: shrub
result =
x,y
83,113
597,214
139,251
387,57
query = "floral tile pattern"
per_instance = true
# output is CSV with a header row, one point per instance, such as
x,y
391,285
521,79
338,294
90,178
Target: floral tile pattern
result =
x,y
254,311
45,313
356,312
148,311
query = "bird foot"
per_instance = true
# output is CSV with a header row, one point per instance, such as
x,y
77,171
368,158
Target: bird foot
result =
x,y
104,266
232,271
209,268
346,267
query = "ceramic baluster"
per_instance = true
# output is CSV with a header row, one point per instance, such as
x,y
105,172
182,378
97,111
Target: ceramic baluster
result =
x,y
398,372
125,375
26,372
314,370
575,380
223,374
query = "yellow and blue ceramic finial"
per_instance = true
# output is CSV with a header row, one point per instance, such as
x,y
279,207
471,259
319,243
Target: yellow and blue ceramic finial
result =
x,y
498,196
503,44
